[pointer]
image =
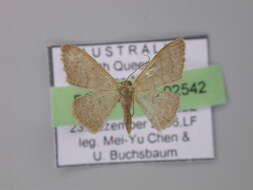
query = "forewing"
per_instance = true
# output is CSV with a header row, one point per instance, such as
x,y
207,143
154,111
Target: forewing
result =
x,y
165,68
160,107
83,71
92,109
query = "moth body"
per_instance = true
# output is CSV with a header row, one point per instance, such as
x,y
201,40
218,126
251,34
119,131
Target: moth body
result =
x,y
126,100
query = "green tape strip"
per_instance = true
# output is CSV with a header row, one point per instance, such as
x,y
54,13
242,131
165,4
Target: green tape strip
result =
x,y
199,88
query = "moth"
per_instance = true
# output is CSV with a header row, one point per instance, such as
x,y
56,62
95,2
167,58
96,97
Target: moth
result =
x,y
91,110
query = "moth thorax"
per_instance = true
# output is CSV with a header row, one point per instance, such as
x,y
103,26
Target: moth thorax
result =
x,y
124,91
125,88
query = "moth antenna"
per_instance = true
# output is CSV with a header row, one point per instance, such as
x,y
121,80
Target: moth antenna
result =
x,y
139,67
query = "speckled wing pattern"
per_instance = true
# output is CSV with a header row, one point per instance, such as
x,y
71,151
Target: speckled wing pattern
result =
x,y
84,72
91,110
165,68
160,107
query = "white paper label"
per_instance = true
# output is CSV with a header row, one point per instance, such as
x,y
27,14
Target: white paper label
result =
x,y
190,137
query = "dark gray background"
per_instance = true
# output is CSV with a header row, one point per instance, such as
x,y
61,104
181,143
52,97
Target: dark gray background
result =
x,y
27,154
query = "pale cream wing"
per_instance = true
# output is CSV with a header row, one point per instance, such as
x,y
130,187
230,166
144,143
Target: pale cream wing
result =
x,y
165,68
160,107
83,71
92,109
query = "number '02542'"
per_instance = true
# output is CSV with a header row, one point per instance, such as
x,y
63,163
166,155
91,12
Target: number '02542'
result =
x,y
187,88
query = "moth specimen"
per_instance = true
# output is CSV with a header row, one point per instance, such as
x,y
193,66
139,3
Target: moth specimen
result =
x,y
91,110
